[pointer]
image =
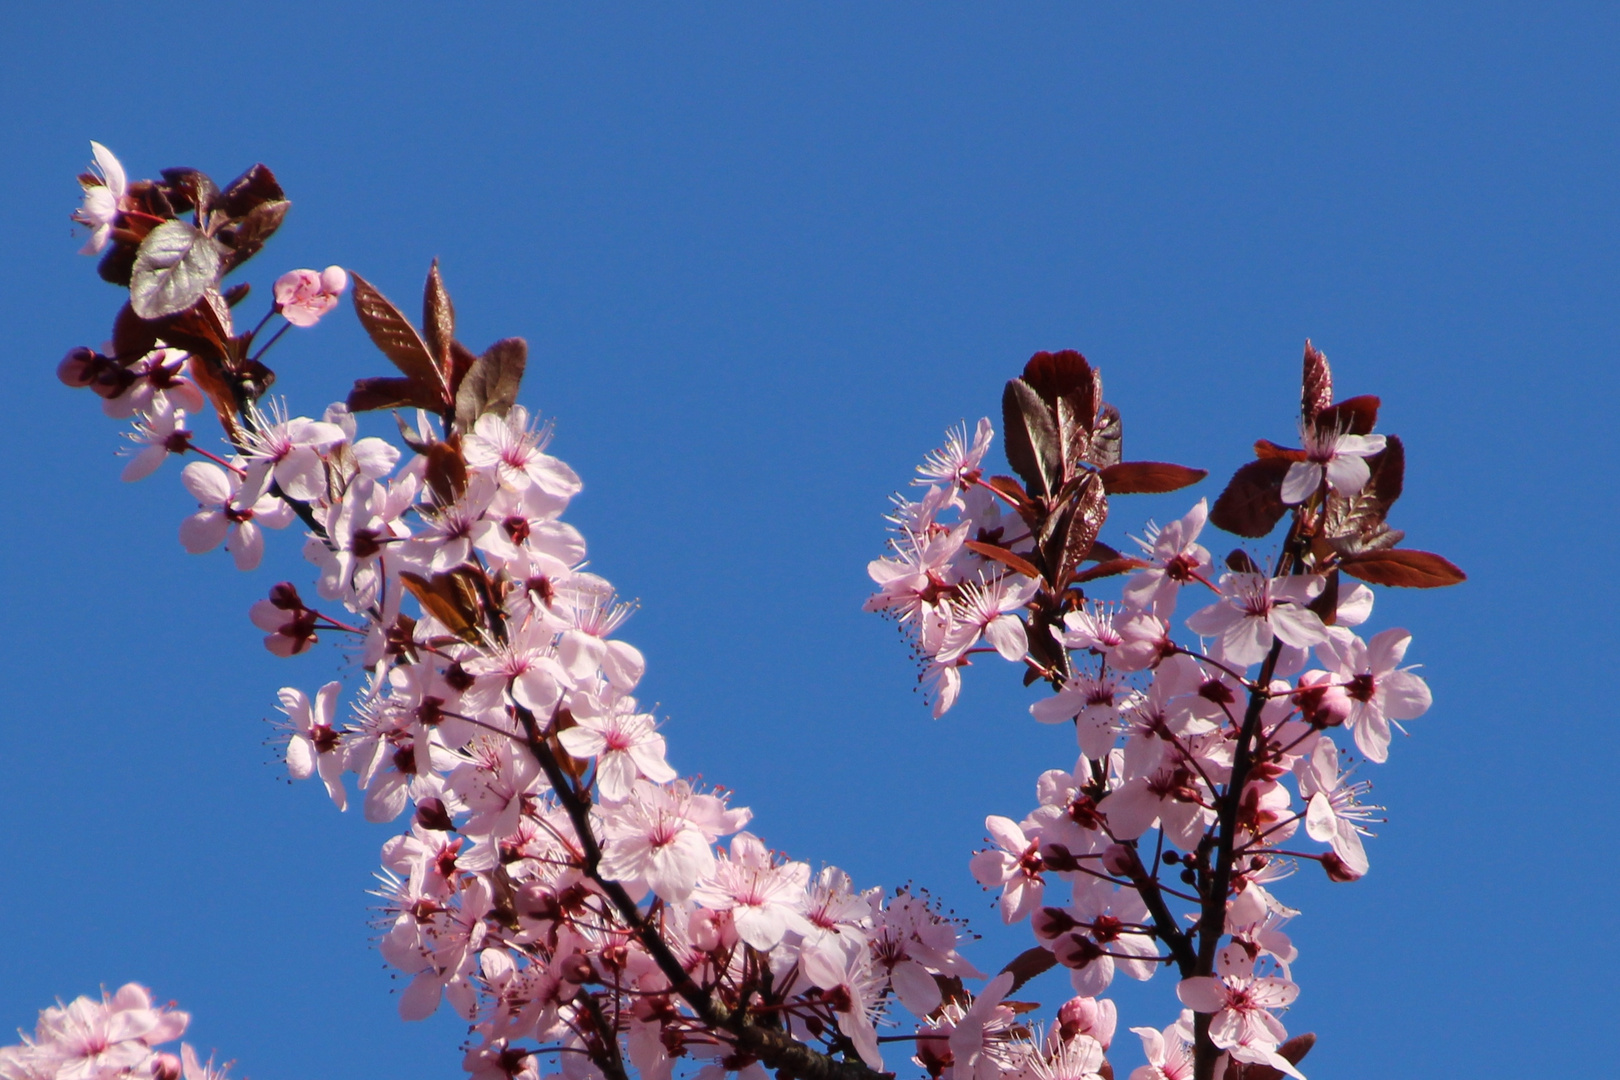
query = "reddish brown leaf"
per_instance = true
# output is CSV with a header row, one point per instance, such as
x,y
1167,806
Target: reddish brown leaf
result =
x,y
1266,450
246,237
257,185
1063,374
1252,503
1090,511
1005,557
1009,489
438,320
1107,441
1241,562
1103,552
491,384
1355,416
189,189
1317,389
446,473
203,329
449,598
1388,469
390,393
1070,388
1031,437
1110,567
1148,477
132,336
1405,569
392,333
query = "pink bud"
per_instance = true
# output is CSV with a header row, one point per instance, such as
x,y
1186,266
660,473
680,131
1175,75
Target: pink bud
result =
x,y
166,1067
334,279
1119,860
78,368
1088,1016
1050,922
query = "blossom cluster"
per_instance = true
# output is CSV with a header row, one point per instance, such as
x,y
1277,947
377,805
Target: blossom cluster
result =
x,y
558,882
115,1038
1200,757
588,909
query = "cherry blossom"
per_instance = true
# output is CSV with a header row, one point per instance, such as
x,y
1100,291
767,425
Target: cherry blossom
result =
x,y
232,509
1338,458
1255,609
1380,690
103,199
303,296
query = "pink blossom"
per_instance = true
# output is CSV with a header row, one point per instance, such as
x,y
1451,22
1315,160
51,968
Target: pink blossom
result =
x,y
988,608
766,900
232,509
1240,1004
1175,559
103,200
1333,814
659,838
1016,867
517,454
851,988
158,435
1380,690
1333,455
303,296
290,448
625,744
1169,1053
1255,609
313,744
957,462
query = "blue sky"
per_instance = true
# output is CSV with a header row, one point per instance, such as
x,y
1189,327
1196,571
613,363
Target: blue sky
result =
x,y
763,256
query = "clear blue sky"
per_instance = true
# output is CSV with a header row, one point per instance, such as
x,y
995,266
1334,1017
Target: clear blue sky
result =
x,y
763,256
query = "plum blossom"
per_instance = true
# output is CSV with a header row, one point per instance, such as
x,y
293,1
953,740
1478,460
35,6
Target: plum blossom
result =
x,y
1333,455
1255,609
290,448
103,199
625,744
851,988
660,837
232,509
957,462
313,744
303,296
988,608
1175,558
1016,867
1241,1006
1169,1052
1380,690
517,453
1333,814
765,900
157,435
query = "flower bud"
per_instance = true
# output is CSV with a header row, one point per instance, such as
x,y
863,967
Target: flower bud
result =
x,y
1337,869
78,368
1088,1016
1050,923
1119,860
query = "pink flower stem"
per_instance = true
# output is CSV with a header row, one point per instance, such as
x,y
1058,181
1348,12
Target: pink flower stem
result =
x,y
273,339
